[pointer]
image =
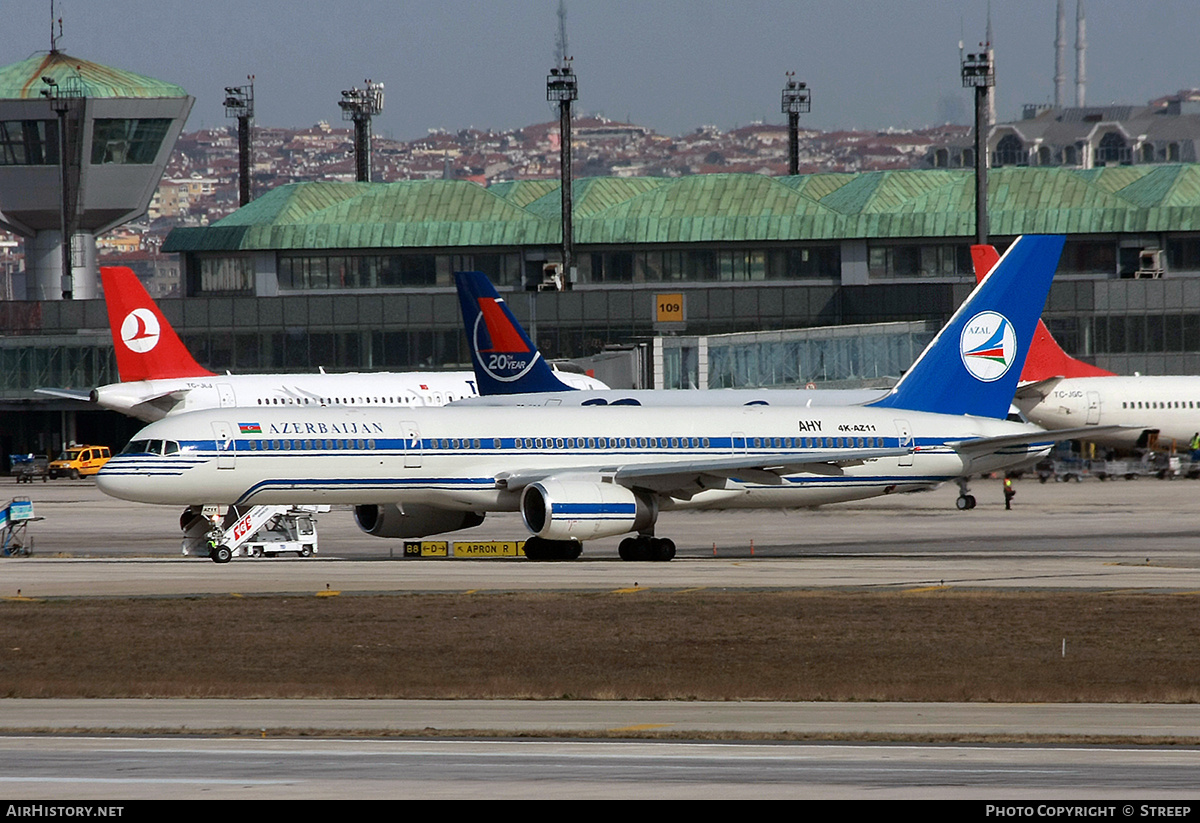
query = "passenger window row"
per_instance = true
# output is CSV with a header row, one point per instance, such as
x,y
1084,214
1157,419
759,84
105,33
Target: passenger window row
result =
x,y
1160,404
597,443
434,399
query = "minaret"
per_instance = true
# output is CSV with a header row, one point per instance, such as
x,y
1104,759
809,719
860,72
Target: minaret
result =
x,y
1080,55
1060,56
991,53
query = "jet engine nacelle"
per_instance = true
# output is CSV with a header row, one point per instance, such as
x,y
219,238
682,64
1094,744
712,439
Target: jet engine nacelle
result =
x,y
413,520
582,510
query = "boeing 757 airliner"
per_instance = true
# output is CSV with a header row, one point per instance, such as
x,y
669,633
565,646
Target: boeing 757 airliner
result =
x,y
582,473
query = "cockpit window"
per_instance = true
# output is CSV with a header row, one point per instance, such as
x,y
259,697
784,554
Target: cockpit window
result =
x,y
151,447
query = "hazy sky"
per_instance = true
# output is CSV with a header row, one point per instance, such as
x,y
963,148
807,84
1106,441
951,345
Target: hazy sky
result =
x,y
671,65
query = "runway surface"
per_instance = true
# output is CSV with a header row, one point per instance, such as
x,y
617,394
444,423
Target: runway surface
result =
x,y
1124,535
179,768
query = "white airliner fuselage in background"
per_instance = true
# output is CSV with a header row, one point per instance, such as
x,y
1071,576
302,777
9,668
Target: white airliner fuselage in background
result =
x,y
153,399
510,372
1169,406
160,376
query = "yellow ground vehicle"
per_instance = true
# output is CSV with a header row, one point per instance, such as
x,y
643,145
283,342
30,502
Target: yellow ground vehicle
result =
x,y
79,461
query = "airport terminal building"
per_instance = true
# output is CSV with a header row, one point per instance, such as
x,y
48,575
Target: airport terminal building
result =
x,y
359,276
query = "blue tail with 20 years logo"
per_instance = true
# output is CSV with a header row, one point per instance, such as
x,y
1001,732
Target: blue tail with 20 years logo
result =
x,y
505,359
974,363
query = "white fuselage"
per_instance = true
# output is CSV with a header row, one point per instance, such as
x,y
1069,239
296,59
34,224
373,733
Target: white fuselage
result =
x,y
1168,405
458,458
152,400
685,397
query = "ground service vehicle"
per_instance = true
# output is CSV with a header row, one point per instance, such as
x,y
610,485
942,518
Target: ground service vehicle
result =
x,y
79,461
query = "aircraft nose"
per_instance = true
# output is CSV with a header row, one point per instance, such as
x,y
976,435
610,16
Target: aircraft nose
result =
x,y
114,482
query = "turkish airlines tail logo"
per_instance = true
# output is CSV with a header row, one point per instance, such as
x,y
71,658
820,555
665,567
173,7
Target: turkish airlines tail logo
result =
x,y
146,346
140,331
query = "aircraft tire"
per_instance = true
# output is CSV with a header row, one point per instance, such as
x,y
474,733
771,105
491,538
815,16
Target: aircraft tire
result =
x,y
539,548
533,548
663,549
626,549
962,503
643,548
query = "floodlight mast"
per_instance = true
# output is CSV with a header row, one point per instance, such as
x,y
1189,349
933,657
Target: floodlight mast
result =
x,y
239,103
360,105
66,99
562,88
796,101
979,73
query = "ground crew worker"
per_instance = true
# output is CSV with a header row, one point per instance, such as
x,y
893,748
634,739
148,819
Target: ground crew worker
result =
x,y
1009,493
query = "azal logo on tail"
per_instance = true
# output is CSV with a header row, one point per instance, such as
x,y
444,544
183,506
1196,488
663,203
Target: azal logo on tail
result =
x,y
987,346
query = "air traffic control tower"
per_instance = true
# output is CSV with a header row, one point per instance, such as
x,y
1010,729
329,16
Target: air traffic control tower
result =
x,y
115,131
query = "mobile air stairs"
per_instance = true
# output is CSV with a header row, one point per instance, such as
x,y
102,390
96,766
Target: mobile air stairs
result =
x,y
222,533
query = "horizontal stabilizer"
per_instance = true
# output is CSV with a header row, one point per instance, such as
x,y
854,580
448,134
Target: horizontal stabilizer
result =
x,y
987,445
1040,389
67,394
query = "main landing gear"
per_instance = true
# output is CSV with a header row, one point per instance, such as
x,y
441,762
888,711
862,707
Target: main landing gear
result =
x,y
965,500
645,547
539,548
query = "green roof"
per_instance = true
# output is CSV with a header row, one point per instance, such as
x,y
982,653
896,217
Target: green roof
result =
x,y
707,208
23,80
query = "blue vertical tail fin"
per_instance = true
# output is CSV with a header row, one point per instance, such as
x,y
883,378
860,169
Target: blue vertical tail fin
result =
x,y
505,360
973,364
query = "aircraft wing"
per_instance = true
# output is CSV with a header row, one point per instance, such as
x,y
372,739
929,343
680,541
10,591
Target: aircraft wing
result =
x,y
666,476
67,394
987,445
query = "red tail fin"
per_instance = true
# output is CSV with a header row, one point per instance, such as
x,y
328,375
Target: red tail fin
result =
x,y
1046,358
146,346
